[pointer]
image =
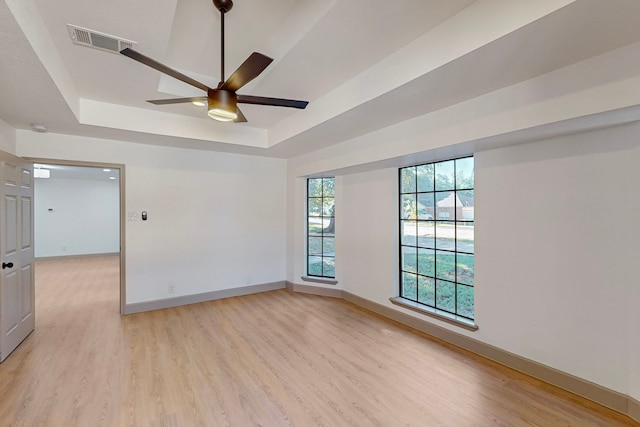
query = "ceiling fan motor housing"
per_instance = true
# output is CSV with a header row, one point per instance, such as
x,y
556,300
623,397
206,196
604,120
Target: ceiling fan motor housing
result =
x,y
221,99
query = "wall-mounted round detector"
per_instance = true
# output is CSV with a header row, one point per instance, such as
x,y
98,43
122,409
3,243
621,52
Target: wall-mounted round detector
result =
x,y
36,127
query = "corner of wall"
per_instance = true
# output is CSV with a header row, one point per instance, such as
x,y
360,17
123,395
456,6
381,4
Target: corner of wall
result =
x,y
7,137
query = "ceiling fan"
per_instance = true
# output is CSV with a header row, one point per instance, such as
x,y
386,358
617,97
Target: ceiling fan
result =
x,y
221,101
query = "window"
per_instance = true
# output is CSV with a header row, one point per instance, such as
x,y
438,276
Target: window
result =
x,y
437,236
321,227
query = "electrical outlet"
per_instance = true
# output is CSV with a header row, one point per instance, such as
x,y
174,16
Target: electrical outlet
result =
x,y
172,287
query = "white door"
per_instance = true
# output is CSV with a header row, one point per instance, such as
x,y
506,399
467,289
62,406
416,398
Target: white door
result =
x,y
17,296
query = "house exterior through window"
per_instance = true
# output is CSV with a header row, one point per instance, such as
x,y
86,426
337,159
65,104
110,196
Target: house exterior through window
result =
x,y
436,210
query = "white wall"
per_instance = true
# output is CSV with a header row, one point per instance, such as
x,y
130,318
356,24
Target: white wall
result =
x,y
633,201
369,222
634,343
76,217
554,231
7,137
556,249
216,220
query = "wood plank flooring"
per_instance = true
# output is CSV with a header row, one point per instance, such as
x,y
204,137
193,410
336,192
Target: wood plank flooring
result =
x,y
271,359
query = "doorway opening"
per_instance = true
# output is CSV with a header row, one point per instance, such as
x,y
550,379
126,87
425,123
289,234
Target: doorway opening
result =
x,y
79,213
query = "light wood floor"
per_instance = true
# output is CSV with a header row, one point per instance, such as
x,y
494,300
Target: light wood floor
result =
x,y
272,359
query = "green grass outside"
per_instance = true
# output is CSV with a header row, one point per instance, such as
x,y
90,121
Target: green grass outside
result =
x,y
437,293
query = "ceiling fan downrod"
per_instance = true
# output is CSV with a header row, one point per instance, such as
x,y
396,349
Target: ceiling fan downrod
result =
x,y
223,6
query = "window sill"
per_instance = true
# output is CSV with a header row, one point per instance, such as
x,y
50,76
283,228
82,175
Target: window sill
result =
x,y
432,312
320,280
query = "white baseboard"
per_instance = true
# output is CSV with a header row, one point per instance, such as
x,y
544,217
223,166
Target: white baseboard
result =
x,y
206,296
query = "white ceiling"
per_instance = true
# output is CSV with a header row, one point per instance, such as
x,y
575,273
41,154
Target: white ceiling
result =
x,y
362,64
82,173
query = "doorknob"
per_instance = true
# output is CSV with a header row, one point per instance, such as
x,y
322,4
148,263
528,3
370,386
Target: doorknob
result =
x,y
7,265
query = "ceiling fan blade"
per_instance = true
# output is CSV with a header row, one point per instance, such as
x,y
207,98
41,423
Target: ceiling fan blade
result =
x,y
277,102
177,100
241,118
162,68
249,70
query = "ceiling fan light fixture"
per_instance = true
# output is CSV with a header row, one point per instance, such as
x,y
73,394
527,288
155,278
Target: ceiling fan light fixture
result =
x,y
222,115
222,105
201,103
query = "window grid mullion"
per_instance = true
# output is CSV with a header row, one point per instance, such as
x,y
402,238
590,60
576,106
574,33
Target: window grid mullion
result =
x,y
322,228
455,238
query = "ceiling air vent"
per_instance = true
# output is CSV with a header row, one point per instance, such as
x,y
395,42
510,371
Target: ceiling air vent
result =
x,y
97,40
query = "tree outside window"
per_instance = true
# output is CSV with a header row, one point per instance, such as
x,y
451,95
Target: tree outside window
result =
x,y
321,227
